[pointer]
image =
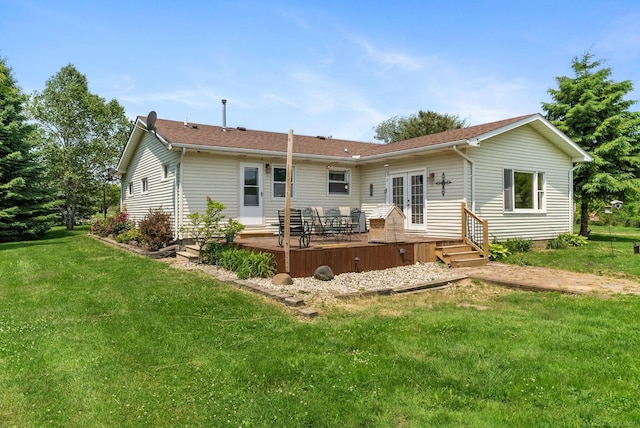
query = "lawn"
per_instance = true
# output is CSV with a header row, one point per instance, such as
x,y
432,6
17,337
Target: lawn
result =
x,y
94,336
609,252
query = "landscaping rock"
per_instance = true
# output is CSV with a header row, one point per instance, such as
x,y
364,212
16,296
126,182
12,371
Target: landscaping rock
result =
x,y
323,273
282,279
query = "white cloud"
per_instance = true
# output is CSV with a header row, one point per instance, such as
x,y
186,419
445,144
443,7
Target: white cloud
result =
x,y
389,59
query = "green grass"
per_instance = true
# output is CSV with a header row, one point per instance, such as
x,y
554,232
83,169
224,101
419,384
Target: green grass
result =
x,y
608,252
93,336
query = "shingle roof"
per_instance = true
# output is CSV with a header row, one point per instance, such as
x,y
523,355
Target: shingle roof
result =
x,y
208,136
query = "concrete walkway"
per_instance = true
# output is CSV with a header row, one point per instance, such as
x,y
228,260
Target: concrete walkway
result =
x,y
543,279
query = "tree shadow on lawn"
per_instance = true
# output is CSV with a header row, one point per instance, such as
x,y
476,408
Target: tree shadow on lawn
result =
x,y
599,237
52,237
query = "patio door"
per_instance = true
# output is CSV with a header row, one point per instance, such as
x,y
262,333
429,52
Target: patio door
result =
x,y
408,193
251,194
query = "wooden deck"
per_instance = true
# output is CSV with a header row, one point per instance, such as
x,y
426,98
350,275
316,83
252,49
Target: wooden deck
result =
x,y
341,256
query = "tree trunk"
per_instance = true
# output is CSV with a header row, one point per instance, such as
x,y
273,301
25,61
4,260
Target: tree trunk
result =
x,y
71,217
584,217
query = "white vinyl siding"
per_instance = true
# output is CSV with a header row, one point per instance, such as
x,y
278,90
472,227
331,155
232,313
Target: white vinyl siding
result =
x,y
522,149
146,161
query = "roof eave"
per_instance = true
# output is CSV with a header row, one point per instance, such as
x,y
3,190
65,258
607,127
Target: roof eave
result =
x,y
265,153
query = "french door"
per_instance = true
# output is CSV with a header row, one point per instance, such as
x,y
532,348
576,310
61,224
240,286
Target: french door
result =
x,y
251,194
408,193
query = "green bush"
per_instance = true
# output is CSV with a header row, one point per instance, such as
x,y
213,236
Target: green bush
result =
x,y
565,240
498,251
112,226
517,245
128,236
155,229
211,252
246,263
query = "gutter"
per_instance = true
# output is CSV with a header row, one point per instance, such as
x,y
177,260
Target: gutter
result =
x,y
473,176
363,159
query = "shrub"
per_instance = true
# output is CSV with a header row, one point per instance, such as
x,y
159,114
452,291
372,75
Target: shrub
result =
x,y
99,228
211,252
565,240
247,264
497,251
128,236
155,229
517,245
204,227
112,226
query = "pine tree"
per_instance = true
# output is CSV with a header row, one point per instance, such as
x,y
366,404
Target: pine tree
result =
x,y
591,109
26,207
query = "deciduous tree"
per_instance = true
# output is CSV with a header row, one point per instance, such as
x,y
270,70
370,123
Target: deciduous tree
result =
x,y
84,136
26,200
593,111
416,125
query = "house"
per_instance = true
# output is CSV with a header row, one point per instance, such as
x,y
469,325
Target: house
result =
x,y
516,173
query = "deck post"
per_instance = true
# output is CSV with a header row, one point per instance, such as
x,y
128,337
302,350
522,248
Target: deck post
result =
x,y
463,221
287,204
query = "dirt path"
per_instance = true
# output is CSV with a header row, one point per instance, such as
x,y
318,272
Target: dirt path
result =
x,y
543,279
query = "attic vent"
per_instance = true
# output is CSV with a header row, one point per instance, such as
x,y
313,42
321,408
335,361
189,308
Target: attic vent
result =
x,y
194,126
241,128
320,137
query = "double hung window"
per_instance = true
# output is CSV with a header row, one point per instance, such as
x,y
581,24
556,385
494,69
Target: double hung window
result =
x,y
338,182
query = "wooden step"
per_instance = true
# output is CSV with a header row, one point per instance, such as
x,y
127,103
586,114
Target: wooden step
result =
x,y
192,249
449,249
478,261
186,257
257,233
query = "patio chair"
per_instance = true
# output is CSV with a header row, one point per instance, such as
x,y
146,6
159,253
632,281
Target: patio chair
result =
x,y
297,227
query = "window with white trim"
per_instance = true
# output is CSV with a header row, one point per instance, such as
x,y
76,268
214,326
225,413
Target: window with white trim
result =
x,y
130,190
338,181
145,185
279,182
524,190
165,171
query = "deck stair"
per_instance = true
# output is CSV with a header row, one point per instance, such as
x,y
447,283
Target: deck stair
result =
x,y
257,233
460,255
189,255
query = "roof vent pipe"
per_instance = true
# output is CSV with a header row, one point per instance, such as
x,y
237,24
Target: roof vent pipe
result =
x,y
224,115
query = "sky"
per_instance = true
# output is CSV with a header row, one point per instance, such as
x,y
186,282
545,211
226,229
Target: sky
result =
x,y
331,68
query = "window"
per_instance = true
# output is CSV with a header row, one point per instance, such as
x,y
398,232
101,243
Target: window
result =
x,y
145,185
338,182
280,182
524,190
130,188
165,172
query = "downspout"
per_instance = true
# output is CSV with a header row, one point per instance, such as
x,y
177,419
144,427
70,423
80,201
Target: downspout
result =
x,y
473,177
571,201
180,202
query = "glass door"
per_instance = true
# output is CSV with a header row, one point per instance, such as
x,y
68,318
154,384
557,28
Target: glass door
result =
x,y
408,194
251,194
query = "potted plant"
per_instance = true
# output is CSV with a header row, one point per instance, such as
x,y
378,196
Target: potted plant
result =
x,y
231,229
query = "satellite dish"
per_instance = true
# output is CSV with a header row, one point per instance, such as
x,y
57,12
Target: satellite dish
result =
x,y
151,120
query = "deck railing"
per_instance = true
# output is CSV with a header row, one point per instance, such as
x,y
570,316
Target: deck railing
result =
x,y
475,231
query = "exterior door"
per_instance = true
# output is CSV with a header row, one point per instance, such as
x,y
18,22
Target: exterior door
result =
x,y
408,193
251,194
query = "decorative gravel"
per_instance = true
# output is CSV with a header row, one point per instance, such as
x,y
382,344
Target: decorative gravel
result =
x,y
310,287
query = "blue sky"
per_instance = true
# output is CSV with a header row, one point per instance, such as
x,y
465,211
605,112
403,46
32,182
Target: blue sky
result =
x,y
319,67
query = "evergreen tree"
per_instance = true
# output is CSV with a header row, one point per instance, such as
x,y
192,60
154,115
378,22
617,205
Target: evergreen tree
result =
x,y
26,200
591,109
